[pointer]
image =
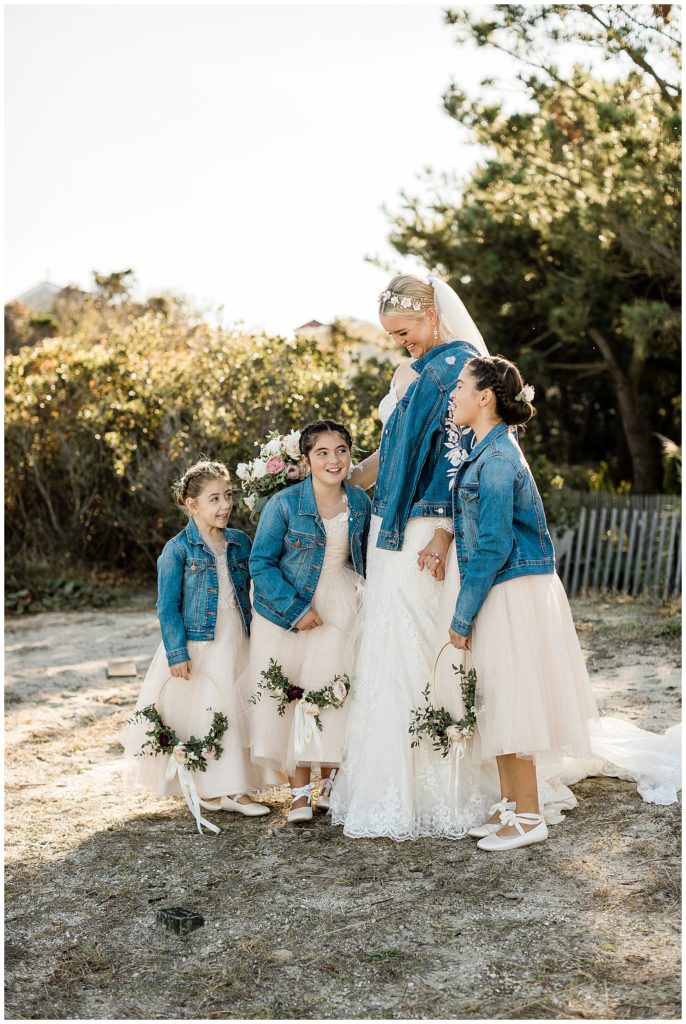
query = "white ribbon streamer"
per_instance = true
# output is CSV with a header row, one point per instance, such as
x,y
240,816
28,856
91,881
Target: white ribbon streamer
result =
x,y
190,793
305,729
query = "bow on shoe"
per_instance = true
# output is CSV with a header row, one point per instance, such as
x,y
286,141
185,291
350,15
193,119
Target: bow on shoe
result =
x,y
508,817
300,791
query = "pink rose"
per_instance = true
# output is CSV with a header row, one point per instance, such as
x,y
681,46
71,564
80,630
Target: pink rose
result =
x,y
292,473
275,465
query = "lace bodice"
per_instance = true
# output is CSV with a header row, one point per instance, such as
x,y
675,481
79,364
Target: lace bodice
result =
x,y
337,553
388,403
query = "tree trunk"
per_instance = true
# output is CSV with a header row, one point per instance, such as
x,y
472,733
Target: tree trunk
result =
x,y
645,461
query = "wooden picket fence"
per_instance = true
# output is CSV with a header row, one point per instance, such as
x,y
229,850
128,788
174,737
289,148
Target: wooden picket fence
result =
x,y
629,543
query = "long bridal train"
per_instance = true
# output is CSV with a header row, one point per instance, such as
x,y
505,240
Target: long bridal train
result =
x,y
618,748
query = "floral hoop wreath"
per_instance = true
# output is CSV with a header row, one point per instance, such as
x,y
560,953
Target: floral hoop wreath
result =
x,y
436,723
309,703
184,757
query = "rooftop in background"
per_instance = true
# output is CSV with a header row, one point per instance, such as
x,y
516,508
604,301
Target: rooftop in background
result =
x,y
41,297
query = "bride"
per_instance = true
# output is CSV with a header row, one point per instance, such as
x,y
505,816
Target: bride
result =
x,y
385,787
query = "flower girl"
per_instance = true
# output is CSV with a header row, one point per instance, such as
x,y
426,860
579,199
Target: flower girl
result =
x,y
203,606
307,564
533,691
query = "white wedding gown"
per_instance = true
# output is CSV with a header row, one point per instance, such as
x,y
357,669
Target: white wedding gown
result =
x,y
386,787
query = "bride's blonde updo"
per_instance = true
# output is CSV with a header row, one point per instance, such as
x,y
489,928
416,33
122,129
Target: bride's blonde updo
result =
x,y
408,296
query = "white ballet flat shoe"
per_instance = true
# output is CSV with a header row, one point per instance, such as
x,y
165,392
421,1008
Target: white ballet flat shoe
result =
x,y
324,798
297,815
211,805
537,834
251,810
489,827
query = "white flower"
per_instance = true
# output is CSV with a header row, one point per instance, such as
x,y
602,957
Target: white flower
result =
x,y
243,471
272,447
179,753
455,454
291,443
259,469
339,690
309,709
453,734
526,394
405,302
250,501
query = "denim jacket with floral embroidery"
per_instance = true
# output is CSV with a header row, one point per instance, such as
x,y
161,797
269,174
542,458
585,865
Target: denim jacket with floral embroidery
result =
x,y
413,479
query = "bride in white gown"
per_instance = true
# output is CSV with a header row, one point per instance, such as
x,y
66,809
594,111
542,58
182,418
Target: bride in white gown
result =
x,y
386,787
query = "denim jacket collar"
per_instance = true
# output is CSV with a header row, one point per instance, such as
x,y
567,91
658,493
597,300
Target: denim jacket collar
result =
x,y
307,504
419,364
193,533
491,436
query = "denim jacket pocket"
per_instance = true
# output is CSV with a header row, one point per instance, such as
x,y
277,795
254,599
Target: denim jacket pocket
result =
x,y
299,541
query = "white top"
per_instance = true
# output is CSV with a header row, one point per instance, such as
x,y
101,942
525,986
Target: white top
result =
x,y
226,598
388,403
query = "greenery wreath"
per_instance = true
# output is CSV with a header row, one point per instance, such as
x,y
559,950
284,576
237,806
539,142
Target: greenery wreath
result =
x,y
437,724
192,753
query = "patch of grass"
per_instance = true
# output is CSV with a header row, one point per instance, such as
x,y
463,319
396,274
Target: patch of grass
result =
x,y
671,628
382,956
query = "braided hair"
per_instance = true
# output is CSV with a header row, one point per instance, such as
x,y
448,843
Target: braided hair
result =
x,y
194,479
505,381
310,433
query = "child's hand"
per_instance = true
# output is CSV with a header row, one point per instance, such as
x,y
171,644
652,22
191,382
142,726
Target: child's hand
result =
x,y
310,620
182,670
459,641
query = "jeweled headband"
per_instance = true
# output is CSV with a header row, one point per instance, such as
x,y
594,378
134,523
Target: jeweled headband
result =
x,y
404,301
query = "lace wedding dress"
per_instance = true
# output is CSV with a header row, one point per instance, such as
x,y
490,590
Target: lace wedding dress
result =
x,y
386,787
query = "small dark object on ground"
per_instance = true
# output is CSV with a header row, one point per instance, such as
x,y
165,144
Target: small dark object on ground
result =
x,y
178,920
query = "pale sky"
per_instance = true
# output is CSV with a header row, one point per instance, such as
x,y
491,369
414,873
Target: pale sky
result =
x,y
240,155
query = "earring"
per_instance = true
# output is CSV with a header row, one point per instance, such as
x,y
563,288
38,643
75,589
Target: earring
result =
x,y
435,332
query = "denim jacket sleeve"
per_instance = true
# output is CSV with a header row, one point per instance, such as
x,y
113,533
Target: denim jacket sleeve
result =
x,y
265,556
422,419
494,542
170,569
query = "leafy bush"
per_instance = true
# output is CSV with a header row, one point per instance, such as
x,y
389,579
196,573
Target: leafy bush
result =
x,y
100,422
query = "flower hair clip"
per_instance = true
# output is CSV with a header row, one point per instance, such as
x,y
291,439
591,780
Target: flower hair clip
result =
x,y
404,301
526,394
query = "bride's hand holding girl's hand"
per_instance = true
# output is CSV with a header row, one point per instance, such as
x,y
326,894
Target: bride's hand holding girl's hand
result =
x,y
459,641
433,556
310,620
182,670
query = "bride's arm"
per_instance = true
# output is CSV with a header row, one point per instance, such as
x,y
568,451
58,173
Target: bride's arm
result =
x,y
365,473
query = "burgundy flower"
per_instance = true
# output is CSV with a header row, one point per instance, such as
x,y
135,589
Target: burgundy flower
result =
x,y
295,693
292,473
163,739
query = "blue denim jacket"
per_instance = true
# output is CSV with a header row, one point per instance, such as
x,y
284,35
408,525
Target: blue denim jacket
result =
x,y
187,589
412,479
500,527
288,552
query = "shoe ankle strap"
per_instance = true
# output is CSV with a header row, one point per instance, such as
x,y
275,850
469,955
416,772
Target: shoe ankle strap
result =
x,y
517,820
503,805
300,791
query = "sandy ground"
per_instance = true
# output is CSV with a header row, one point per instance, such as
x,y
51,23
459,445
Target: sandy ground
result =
x,y
303,923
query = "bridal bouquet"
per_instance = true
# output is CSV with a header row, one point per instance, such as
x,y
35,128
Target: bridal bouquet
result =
x,y
278,465
332,695
439,726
